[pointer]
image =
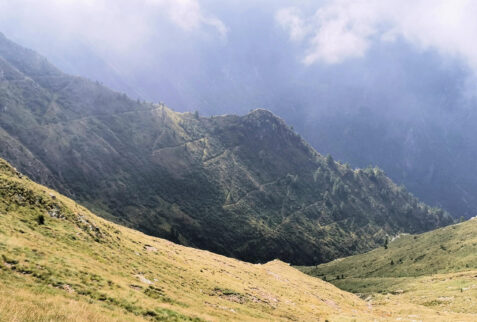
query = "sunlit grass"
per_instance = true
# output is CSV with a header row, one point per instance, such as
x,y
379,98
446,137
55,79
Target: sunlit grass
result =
x,y
74,266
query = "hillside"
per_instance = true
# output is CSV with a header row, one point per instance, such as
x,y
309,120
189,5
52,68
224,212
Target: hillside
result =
x,y
242,186
436,269
60,262
397,108
450,250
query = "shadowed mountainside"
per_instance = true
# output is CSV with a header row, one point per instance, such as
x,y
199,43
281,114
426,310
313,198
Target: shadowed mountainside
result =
x,y
242,186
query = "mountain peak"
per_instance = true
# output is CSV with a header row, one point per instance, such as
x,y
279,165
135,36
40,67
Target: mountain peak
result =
x,y
265,120
262,112
247,187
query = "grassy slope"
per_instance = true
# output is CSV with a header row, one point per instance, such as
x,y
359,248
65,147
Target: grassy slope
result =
x,y
77,266
445,250
242,186
450,292
437,269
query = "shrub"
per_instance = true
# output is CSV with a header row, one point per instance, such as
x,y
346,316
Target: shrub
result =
x,y
41,219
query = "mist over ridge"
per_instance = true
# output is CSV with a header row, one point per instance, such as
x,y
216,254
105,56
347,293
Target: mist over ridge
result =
x,y
392,94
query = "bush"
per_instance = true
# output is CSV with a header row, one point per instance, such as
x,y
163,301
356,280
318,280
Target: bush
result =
x,y
41,220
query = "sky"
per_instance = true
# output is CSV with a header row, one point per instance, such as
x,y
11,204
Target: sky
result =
x,y
371,82
344,29
331,31
126,37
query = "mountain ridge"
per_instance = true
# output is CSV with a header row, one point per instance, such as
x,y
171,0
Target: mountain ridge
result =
x,y
242,186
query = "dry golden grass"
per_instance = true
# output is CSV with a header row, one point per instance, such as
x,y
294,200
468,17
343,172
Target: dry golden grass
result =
x,y
62,273
79,267
21,304
443,297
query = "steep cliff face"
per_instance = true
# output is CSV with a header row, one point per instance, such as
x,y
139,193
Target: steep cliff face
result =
x,y
243,186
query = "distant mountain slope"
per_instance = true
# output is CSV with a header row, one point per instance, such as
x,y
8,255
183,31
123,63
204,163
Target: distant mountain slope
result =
x,y
242,186
446,250
430,151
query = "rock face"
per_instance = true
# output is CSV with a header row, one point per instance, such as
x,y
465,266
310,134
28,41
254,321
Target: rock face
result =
x,y
242,186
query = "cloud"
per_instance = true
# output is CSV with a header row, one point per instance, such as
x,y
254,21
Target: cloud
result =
x,y
290,19
188,15
119,25
344,29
